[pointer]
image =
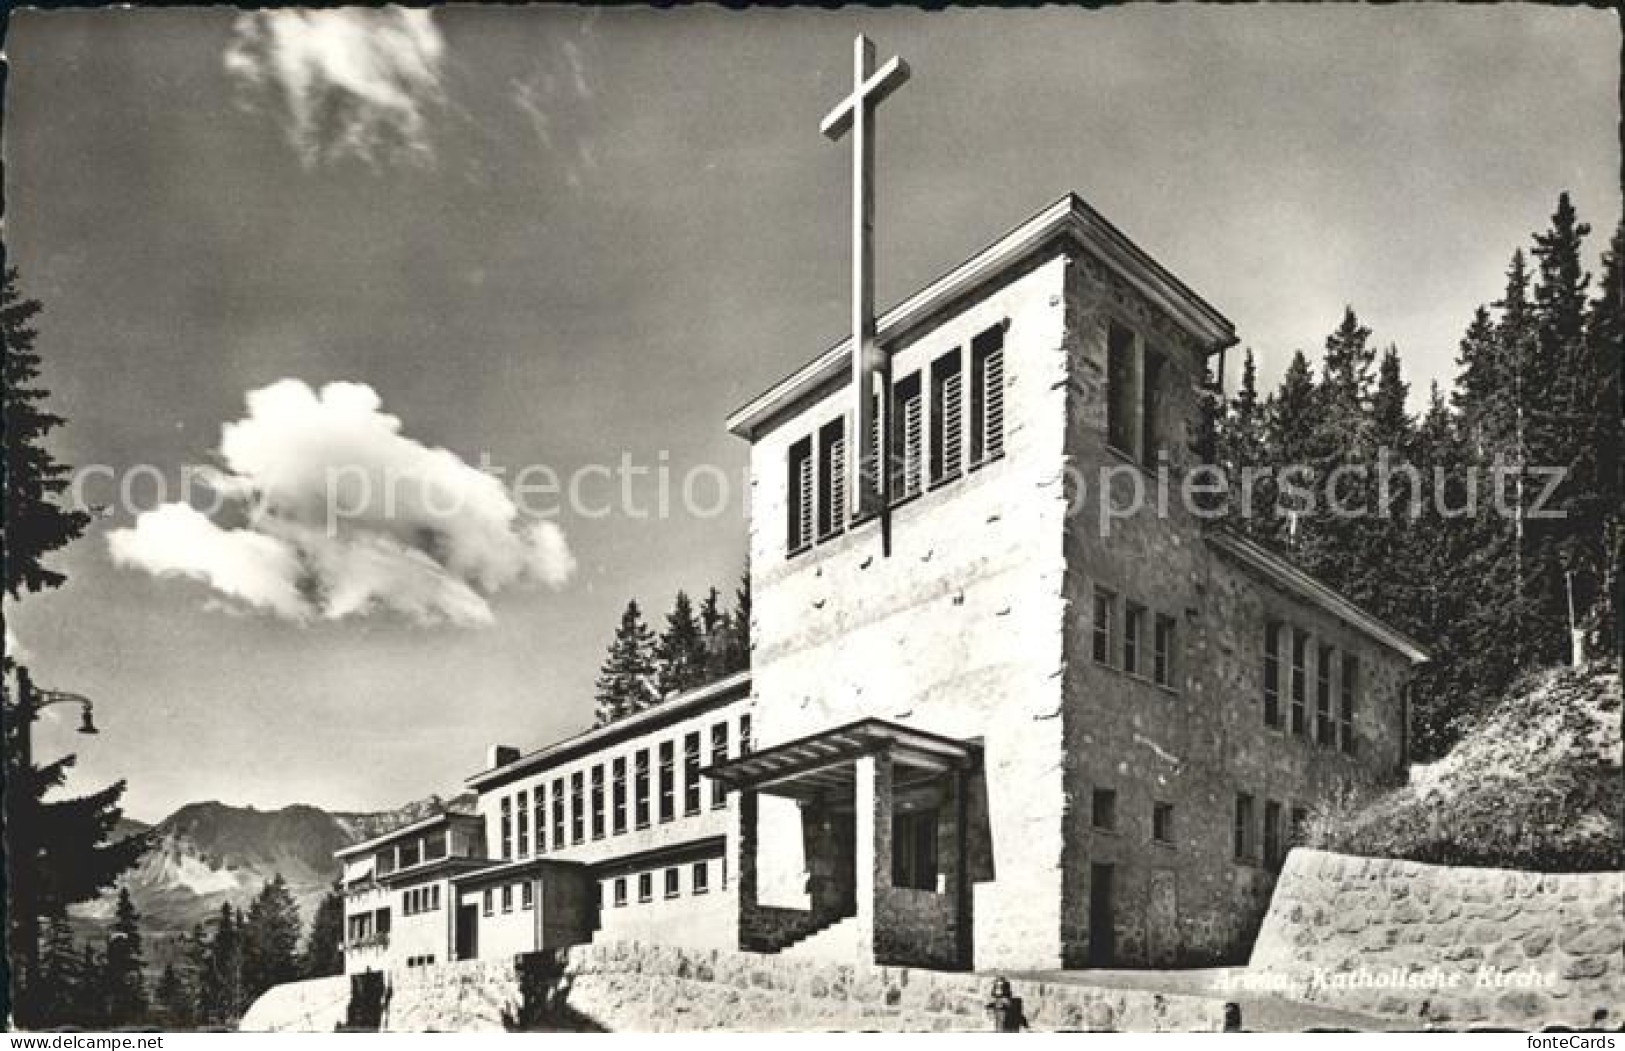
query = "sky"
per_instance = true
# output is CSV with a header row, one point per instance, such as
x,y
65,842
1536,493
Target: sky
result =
x,y
494,237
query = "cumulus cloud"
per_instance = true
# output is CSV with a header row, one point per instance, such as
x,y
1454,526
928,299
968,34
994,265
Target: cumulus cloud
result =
x,y
345,516
351,82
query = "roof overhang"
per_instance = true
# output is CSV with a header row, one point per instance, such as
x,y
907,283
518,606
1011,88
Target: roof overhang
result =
x,y
1294,581
821,765
1069,218
444,817
496,871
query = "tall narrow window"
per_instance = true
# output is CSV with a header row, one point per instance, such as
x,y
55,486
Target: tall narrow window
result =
x,y
673,883
832,477
691,773
598,801
486,901
640,793
1272,833
507,897
1162,653
719,755
1345,712
618,815
1105,602
1133,637
1244,827
507,827
1298,830
619,891
1325,729
527,895
744,734
1300,682
668,781
947,418
538,803
578,811
1103,809
908,438
1122,389
646,886
799,488
914,850
1272,675
1162,822
558,813
522,813
699,877
1150,408
987,396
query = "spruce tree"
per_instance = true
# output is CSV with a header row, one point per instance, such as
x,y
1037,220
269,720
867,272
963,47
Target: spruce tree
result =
x,y
126,983
1605,339
324,949
1290,430
173,999
739,659
270,940
1242,454
680,652
626,682
713,620
55,999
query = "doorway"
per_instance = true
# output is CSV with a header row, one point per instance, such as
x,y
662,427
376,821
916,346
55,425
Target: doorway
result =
x,y
468,932
1101,916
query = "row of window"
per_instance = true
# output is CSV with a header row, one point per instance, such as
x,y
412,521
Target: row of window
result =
x,y
426,960
930,442
421,899
1282,827
671,883
1134,381
365,924
1331,728
558,814
1103,815
526,896
1141,643
409,852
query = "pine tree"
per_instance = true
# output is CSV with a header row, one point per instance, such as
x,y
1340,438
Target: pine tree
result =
x,y
324,949
626,683
1290,431
1605,340
36,523
740,653
57,996
714,629
270,940
680,652
90,997
126,984
174,1000
1483,383
220,972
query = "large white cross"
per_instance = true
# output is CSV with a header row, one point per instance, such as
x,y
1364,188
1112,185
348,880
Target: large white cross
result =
x,y
869,487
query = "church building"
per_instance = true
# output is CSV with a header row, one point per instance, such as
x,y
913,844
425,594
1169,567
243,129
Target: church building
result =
x,y
1012,717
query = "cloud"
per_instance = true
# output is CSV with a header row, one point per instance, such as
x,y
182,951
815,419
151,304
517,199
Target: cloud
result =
x,y
347,82
345,517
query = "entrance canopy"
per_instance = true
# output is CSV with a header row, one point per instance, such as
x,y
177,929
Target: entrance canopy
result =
x,y
820,765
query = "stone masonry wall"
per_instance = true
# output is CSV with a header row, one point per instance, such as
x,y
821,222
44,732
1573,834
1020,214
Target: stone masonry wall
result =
x,y
628,987
1481,946
315,1006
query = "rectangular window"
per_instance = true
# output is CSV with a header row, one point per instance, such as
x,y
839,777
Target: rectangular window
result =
x,y
598,801
620,891
507,827
527,895
1162,822
1272,833
558,813
1162,652
668,781
1122,393
673,883
914,850
799,489
691,773
435,846
1272,675
908,438
487,903
538,802
1105,603
1325,728
522,813
507,897
1345,708
1103,809
719,755
1133,633
1150,408
987,394
640,789
1300,680
1244,827
619,790
699,877
578,810
646,886
1299,829
832,477
409,851
744,734
947,418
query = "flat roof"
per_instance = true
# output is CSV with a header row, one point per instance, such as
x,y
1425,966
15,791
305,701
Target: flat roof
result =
x,y
1290,578
668,711
821,762
422,824
1070,217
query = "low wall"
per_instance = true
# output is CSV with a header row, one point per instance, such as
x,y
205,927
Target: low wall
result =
x,y
625,986
315,1006
1449,946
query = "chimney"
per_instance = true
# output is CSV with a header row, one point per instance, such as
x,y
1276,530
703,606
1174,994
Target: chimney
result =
x,y
500,755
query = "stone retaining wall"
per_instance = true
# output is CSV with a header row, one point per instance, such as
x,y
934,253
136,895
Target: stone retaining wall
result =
x,y
315,1006
1448,946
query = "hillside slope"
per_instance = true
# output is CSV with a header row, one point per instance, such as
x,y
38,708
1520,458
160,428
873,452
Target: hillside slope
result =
x,y
1536,785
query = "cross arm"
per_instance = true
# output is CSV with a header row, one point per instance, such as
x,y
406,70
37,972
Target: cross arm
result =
x,y
886,79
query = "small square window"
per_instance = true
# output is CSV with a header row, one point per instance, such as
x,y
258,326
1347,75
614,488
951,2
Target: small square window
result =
x,y
1162,822
699,879
672,883
1103,809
